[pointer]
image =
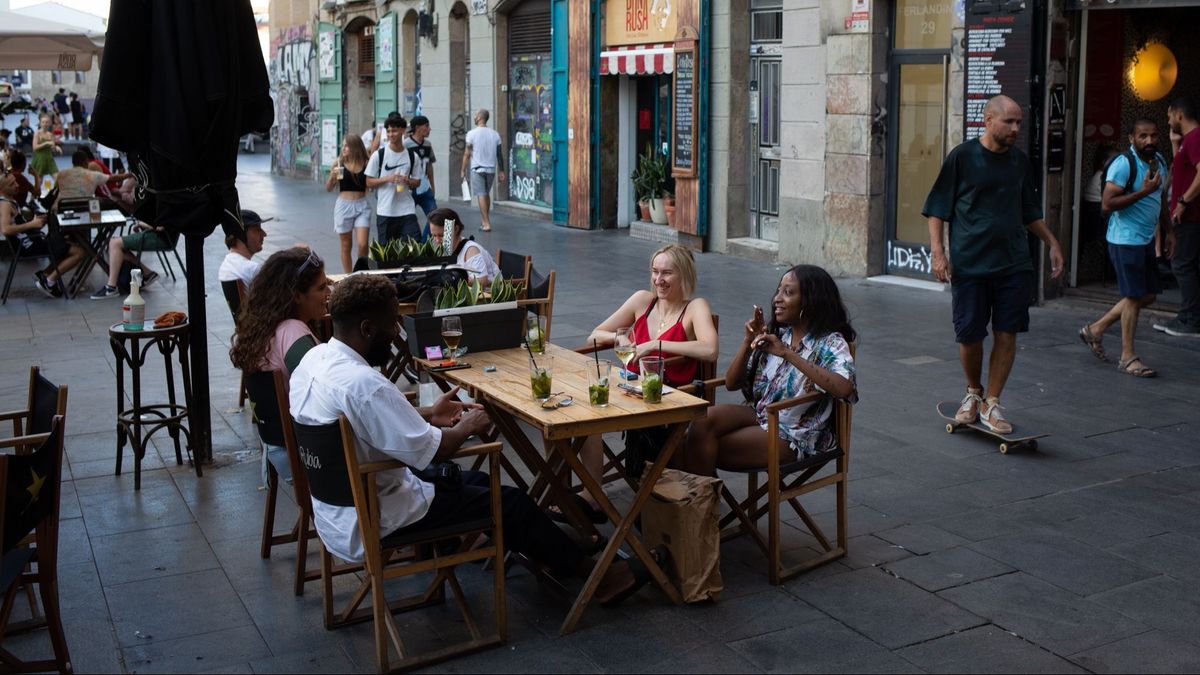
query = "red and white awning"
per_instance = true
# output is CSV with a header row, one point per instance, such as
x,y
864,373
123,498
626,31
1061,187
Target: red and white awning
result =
x,y
638,60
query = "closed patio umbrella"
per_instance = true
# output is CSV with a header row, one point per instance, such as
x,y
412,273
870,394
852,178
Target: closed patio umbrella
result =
x,y
31,43
180,82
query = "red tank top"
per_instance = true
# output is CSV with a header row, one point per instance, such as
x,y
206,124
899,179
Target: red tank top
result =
x,y
678,374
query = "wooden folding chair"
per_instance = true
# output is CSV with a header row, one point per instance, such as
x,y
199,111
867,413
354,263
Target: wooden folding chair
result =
x,y
31,482
515,267
539,297
786,483
45,401
235,296
336,477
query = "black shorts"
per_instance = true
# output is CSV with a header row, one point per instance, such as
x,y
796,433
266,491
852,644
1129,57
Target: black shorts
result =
x,y
398,227
37,244
1004,301
1137,269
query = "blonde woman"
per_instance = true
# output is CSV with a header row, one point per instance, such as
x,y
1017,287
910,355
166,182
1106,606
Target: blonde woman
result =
x,y
45,146
351,212
666,317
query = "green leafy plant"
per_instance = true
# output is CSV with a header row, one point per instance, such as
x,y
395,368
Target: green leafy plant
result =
x,y
470,293
399,252
650,176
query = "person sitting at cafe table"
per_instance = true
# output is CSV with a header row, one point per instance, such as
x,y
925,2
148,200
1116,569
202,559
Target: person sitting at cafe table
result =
x,y
27,234
805,347
469,253
666,317
120,251
81,182
239,263
272,328
342,377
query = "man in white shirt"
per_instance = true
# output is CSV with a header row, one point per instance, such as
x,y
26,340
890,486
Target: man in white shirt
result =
x,y
390,173
484,157
341,377
238,264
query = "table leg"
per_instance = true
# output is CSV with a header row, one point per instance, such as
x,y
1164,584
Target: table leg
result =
x,y
166,347
624,528
186,371
138,450
121,356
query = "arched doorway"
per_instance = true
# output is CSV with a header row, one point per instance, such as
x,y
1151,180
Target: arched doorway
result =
x,y
460,88
410,65
358,106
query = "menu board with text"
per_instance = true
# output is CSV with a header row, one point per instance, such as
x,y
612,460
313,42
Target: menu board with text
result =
x,y
683,119
999,43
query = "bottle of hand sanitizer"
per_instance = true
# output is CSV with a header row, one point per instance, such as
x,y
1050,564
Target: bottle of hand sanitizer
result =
x,y
134,310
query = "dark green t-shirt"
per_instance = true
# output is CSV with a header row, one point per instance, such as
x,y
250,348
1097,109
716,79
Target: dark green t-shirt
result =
x,y
988,198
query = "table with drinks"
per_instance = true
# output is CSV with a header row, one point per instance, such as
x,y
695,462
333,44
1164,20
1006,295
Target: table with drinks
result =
x,y
91,230
568,396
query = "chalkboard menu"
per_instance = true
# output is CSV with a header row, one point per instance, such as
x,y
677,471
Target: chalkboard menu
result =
x,y
999,48
683,119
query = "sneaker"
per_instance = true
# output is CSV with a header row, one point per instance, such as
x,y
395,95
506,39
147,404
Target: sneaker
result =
x,y
149,277
991,418
105,291
1179,329
968,412
43,284
1161,326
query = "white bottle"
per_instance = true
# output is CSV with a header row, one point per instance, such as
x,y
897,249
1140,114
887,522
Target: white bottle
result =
x,y
134,309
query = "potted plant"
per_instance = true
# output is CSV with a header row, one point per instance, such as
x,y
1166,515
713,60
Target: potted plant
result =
x,y
669,208
649,180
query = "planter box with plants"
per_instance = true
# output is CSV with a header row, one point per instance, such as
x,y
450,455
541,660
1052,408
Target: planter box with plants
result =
x,y
399,253
489,320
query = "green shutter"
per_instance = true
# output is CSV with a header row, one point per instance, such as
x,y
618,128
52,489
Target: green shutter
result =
x,y
385,67
329,78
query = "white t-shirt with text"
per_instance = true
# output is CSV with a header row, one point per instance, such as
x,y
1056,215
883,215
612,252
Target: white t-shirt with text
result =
x,y
389,202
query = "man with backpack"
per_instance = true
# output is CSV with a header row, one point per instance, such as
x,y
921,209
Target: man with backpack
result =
x,y
390,173
1134,205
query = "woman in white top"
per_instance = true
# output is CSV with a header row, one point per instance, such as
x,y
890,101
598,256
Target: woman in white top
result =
x,y
471,254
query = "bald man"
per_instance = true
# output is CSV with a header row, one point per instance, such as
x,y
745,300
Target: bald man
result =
x,y
985,192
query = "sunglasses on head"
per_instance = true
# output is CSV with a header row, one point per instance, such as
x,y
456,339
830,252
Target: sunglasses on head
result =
x,y
313,260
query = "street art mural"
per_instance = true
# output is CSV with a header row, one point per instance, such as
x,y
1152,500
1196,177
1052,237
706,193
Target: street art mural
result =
x,y
531,179
295,136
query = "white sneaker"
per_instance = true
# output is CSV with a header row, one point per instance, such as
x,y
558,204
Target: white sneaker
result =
x,y
968,412
991,418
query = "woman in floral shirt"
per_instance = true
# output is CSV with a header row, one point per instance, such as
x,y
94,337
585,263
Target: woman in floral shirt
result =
x,y
804,348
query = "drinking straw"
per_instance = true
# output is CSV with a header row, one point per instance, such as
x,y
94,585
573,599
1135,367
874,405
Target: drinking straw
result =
x,y
530,352
596,354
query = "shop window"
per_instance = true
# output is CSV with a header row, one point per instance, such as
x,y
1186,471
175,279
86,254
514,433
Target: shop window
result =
x,y
80,77
56,77
923,24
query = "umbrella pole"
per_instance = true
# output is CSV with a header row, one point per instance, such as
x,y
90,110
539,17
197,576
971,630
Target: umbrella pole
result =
x,y
201,412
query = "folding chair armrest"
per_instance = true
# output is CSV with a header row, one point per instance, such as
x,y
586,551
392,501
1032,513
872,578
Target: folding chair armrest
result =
x,y
376,467
775,408
592,349
19,441
709,386
13,414
412,395
478,449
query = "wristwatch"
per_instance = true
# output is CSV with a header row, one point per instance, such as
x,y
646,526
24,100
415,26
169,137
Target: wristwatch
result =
x,y
1183,201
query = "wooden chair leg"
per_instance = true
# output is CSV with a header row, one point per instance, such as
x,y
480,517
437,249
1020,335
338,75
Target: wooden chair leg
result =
x,y
268,531
242,391
48,583
301,552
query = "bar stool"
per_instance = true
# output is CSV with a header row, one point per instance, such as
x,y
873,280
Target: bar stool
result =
x,y
130,348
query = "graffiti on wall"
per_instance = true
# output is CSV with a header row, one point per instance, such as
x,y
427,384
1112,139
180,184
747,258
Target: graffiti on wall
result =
x,y
295,136
531,180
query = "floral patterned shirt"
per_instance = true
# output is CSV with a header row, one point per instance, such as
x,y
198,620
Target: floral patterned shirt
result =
x,y
806,427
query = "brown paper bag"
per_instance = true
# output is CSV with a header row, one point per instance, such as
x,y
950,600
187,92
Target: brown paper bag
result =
x,y
682,514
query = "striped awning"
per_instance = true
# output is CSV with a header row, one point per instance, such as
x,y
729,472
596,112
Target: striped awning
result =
x,y
638,60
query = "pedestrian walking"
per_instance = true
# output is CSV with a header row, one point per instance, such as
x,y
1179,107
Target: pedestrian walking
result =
x,y
389,171
484,158
1133,196
77,117
1185,216
423,159
352,211
24,136
985,192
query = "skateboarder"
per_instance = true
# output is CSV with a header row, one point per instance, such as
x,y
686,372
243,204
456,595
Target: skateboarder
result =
x,y
985,192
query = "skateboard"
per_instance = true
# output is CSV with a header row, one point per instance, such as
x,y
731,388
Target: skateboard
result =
x,y
946,410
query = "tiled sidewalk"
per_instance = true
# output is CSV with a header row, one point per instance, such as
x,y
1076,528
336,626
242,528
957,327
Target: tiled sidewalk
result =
x,y
1078,557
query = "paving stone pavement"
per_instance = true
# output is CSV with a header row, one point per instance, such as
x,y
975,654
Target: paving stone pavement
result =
x,y
1078,557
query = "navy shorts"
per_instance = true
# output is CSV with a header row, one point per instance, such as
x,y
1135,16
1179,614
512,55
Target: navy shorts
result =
x,y
1004,301
398,227
1137,269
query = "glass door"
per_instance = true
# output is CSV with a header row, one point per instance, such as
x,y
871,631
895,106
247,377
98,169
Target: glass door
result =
x,y
916,151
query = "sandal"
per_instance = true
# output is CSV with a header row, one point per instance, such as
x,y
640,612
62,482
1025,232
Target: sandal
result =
x,y
641,577
1094,343
593,513
1126,366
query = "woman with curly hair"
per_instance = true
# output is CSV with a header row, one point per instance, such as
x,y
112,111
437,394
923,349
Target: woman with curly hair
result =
x,y
271,331
805,347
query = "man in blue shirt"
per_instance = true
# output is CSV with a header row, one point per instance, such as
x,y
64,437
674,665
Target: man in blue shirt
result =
x,y
1137,210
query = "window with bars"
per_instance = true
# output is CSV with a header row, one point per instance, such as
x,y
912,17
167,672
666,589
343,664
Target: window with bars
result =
x,y
366,52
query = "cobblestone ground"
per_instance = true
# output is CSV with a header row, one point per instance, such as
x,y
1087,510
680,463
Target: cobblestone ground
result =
x,y
1078,557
